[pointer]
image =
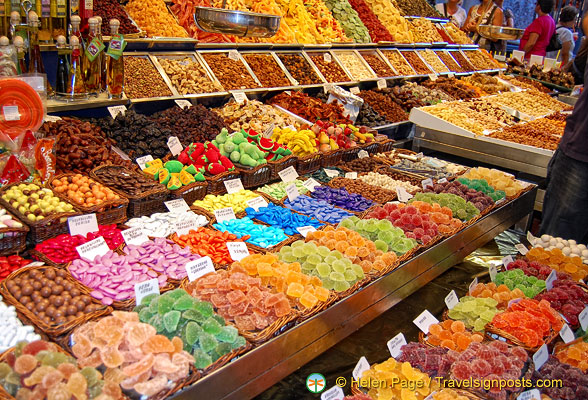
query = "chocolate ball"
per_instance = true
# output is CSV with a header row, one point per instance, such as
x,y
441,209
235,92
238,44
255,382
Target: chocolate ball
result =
x,y
50,273
57,289
57,301
45,292
37,285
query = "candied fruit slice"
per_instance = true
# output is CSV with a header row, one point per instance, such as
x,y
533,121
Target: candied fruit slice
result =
x,y
152,386
37,376
139,333
77,385
25,364
157,344
59,392
140,367
171,320
34,347
164,364
111,357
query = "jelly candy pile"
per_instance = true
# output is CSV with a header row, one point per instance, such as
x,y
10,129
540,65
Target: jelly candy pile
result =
x,y
575,355
482,185
461,209
204,334
536,269
574,381
479,198
558,261
434,361
452,335
474,312
383,233
567,298
502,294
516,278
497,179
132,352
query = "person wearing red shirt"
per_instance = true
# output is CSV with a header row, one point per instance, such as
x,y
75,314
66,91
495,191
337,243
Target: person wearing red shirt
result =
x,y
537,35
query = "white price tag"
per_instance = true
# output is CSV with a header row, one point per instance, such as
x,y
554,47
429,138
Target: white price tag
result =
x,y
11,113
567,335
362,154
234,55
304,230
472,285
549,64
425,320
381,83
82,224
134,236
233,185
331,173
224,214
530,238
292,192
507,260
288,175
500,57
550,279
361,366
334,393
310,184
532,394
240,97
257,203
403,195
492,271
427,182
521,248
144,160
174,145
442,180
540,357
269,131
451,299
146,288
351,175
535,59
93,248
327,57
177,206
433,77
184,227
199,268
583,318
354,90
115,110
451,75
518,55
183,104
395,344
237,250
51,118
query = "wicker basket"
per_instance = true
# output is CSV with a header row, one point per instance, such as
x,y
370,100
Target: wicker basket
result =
x,y
331,158
14,240
50,330
350,154
339,182
413,179
146,203
371,148
495,333
47,228
37,255
227,358
216,183
282,164
385,145
254,177
107,212
192,192
320,306
309,164
359,284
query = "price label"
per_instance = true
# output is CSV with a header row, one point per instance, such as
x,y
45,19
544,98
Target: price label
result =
x,y
362,154
535,59
177,206
492,271
549,64
327,57
351,175
361,366
233,185
92,249
451,75
288,175
269,131
134,236
507,260
240,97
395,344
82,224
310,184
144,160
550,279
304,230
472,285
540,357
334,393
198,268
521,248
292,192
381,83
532,394
583,318
257,203
11,113
184,227
331,173
427,182
51,118
518,55
174,145
237,250
183,104
425,320
403,195
234,55
500,57
224,214
567,335
433,77
115,110
146,288
354,90
530,238
451,299
442,180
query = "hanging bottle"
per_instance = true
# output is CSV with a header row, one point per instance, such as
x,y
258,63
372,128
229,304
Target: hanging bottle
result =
x,y
21,66
115,75
92,60
35,60
76,86
7,58
63,66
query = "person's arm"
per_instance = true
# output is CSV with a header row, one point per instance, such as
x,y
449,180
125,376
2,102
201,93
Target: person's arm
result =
x,y
469,23
565,52
510,22
531,42
497,20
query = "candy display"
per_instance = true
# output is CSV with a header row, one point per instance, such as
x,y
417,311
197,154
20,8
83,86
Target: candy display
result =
x,y
575,355
173,174
318,209
567,298
434,361
10,264
322,176
282,218
342,198
499,292
14,330
474,312
237,201
277,191
568,247
469,193
557,260
374,193
460,207
161,225
259,235
451,335
209,242
529,285
495,178
383,233
574,381
203,158
44,202
376,179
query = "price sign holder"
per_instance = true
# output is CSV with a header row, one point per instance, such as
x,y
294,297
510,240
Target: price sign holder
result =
x,y
425,320
177,205
224,214
288,175
233,185
361,366
144,160
92,249
146,288
198,268
82,224
257,203
174,145
237,250
134,236
292,192
395,344
451,300
115,110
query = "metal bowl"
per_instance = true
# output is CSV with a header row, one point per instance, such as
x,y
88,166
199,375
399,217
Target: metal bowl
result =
x,y
500,32
238,23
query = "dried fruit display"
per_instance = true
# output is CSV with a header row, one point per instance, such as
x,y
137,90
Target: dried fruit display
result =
x,y
253,115
488,83
325,23
349,20
398,62
445,56
188,76
310,108
376,29
404,97
456,34
423,31
417,8
434,62
378,65
525,83
355,66
531,103
384,105
232,74
527,134
184,12
109,9
390,16
267,70
425,94
330,70
153,17
143,80
481,59
299,68
554,76
416,63
300,21
462,61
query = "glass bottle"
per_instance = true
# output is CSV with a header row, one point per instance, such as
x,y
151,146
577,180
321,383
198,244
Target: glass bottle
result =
x,y
20,54
102,56
76,85
75,31
115,75
92,61
35,60
63,67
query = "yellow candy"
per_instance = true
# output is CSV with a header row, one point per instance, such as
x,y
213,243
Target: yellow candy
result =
x,y
497,179
238,201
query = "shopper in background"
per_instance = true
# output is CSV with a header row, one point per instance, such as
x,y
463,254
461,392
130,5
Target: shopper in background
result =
x,y
453,10
578,65
508,20
537,35
565,33
486,13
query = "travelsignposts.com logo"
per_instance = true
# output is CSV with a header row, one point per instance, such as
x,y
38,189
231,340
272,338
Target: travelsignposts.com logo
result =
x,y
315,383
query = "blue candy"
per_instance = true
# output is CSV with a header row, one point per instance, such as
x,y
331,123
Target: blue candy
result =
x,y
261,235
282,218
342,198
318,209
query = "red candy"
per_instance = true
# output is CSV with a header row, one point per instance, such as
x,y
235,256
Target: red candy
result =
x,y
10,264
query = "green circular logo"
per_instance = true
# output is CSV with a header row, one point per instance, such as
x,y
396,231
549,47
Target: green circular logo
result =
x,y
316,383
